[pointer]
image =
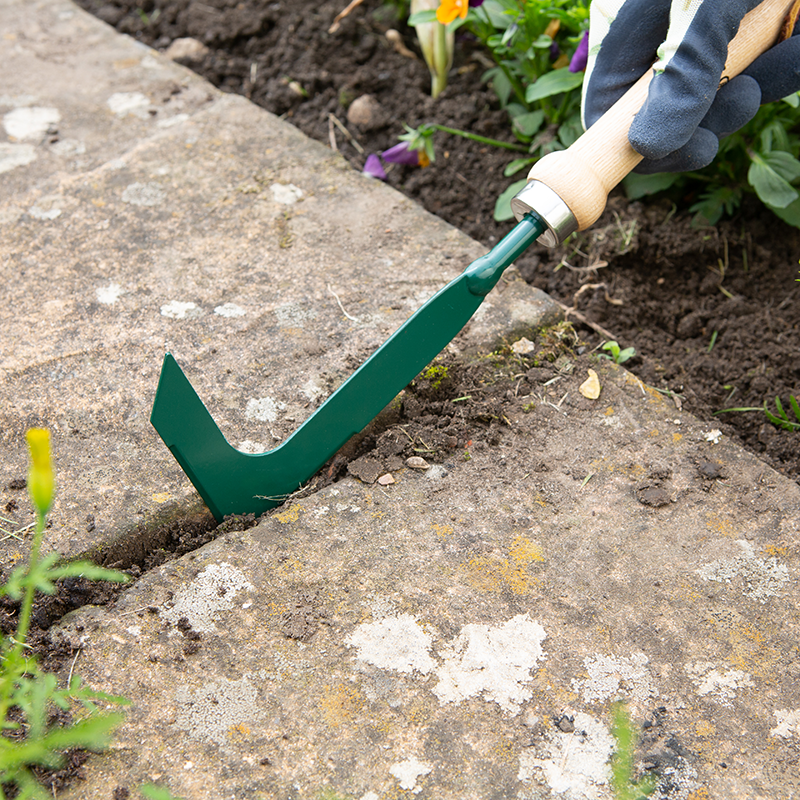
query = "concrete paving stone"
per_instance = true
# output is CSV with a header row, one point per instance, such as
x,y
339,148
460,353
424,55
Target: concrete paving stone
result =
x,y
157,213
463,632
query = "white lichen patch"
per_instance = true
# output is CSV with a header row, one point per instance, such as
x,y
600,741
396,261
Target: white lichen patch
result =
x,y
68,147
293,315
213,712
37,212
286,194
610,676
108,295
574,765
211,592
713,436
177,309
15,155
312,390
762,578
407,772
263,409
494,662
720,684
788,723
395,643
252,448
229,310
169,122
30,123
144,194
124,103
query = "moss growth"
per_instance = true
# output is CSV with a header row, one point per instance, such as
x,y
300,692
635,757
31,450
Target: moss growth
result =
x,y
435,374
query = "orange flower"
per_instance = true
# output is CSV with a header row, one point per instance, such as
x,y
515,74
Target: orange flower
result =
x,y
450,9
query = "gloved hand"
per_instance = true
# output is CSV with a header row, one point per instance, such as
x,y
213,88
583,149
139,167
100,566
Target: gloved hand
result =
x,y
686,43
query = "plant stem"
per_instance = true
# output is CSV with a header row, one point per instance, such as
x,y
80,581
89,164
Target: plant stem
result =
x,y
483,139
11,669
30,586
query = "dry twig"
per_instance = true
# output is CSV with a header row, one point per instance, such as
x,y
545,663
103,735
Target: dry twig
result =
x,y
342,14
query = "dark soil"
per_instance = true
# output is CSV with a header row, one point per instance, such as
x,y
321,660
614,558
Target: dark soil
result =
x,y
714,314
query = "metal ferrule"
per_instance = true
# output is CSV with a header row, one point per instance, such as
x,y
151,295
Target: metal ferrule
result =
x,y
544,202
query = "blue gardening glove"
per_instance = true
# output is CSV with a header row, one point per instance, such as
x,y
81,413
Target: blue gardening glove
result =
x,y
686,43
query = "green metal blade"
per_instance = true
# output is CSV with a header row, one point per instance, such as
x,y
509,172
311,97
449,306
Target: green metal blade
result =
x,y
232,482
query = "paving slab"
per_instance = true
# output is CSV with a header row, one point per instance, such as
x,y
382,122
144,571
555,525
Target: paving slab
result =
x,y
461,633
142,210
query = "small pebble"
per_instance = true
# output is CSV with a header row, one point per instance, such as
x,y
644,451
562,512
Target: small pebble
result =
x,y
386,480
416,462
523,346
366,112
590,388
187,48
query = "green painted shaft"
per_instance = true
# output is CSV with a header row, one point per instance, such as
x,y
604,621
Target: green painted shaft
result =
x,y
232,482
483,273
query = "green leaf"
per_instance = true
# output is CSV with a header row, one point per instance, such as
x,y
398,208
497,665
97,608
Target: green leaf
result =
x,y
770,187
93,733
783,420
774,137
543,42
500,83
29,751
784,164
528,123
793,100
498,14
502,207
422,18
85,569
85,695
28,787
711,205
513,167
570,130
637,186
556,82
15,584
790,213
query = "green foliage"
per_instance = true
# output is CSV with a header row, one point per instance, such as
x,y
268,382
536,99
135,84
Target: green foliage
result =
x,y
542,98
28,695
622,783
781,419
617,355
530,42
760,159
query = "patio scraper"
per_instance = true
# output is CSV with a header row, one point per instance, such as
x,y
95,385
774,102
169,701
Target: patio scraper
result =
x,y
232,482
567,192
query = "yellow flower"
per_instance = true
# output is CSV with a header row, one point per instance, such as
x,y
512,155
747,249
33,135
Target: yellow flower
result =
x,y
41,481
450,9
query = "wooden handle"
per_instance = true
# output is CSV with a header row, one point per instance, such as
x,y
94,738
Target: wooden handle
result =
x,y
583,175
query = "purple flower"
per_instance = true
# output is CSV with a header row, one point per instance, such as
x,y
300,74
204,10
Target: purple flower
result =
x,y
578,63
555,51
373,168
475,3
401,154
